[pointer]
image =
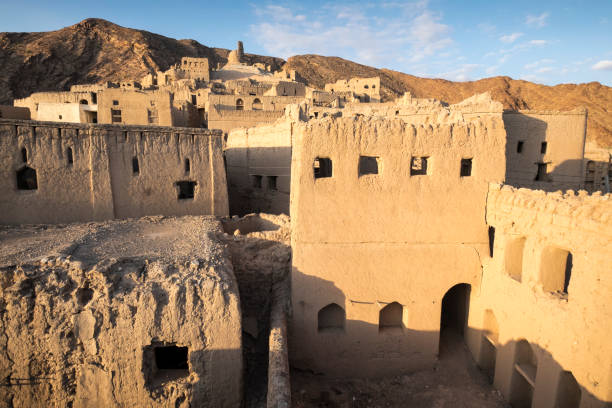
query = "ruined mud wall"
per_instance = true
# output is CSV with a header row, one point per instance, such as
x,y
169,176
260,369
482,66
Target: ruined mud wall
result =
x,y
99,172
548,286
259,246
553,139
259,168
120,314
136,107
401,234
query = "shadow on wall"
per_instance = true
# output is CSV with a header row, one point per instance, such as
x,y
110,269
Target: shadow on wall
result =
x,y
258,179
533,158
260,265
525,373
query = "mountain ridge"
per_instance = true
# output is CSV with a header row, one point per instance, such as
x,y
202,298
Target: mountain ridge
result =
x,y
95,50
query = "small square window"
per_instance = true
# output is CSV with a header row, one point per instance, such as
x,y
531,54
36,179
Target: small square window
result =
x,y
322,167
418,166
368,165
115,103
466,167
519,146
186,189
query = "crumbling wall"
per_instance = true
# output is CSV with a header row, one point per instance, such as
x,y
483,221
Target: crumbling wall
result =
x,y
120,314
258,163
545,150
395,228
259,246
98,172
562,238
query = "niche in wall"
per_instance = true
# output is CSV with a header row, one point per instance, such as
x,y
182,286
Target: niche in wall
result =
x,y
488,348
556,270
330,318
523,375
164,362
514,257
390,317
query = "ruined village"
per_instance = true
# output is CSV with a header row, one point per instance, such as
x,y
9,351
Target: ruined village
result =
x,y
225,235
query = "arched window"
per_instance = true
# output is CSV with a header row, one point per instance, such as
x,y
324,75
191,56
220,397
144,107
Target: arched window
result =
x,y
391,317
331,317
366,87
83,102
257,105
239,104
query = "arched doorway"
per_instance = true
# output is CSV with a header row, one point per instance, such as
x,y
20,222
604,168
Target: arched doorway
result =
x,y
453,317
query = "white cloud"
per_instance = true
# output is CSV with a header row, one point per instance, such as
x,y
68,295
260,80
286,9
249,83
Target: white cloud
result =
x,y
413,33
510,38
538,42
539,63
604,65
463,73
537,21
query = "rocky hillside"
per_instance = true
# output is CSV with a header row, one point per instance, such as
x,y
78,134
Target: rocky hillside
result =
x,y
91,51
96,50
514,94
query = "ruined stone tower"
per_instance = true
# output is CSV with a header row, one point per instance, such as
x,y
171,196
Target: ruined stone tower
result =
x,y
240,51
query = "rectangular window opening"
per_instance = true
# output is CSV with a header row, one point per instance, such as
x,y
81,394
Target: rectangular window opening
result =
x,y
135,165
272,183
519,146
368,165
418,166
70,156
115,116
187,166
115,103
186,189
466,167
542,174
322,167
256,180
543,147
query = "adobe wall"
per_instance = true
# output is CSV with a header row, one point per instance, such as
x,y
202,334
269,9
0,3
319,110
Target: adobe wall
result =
x,y
364,242
566,331
14,112
564,134
360,86
101,183
32,101
258,161
136,107
66,112
90,310
227,120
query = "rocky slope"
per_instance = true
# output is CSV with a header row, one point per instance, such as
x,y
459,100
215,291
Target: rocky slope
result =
x,y
514,94
97,50
91,51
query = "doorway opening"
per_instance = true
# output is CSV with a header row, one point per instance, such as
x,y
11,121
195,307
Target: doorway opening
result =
x,y
453,318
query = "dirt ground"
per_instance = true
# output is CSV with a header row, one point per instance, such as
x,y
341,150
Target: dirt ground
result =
x,y
455,382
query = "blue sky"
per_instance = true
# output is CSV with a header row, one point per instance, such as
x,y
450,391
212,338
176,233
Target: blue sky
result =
x,y
548,42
